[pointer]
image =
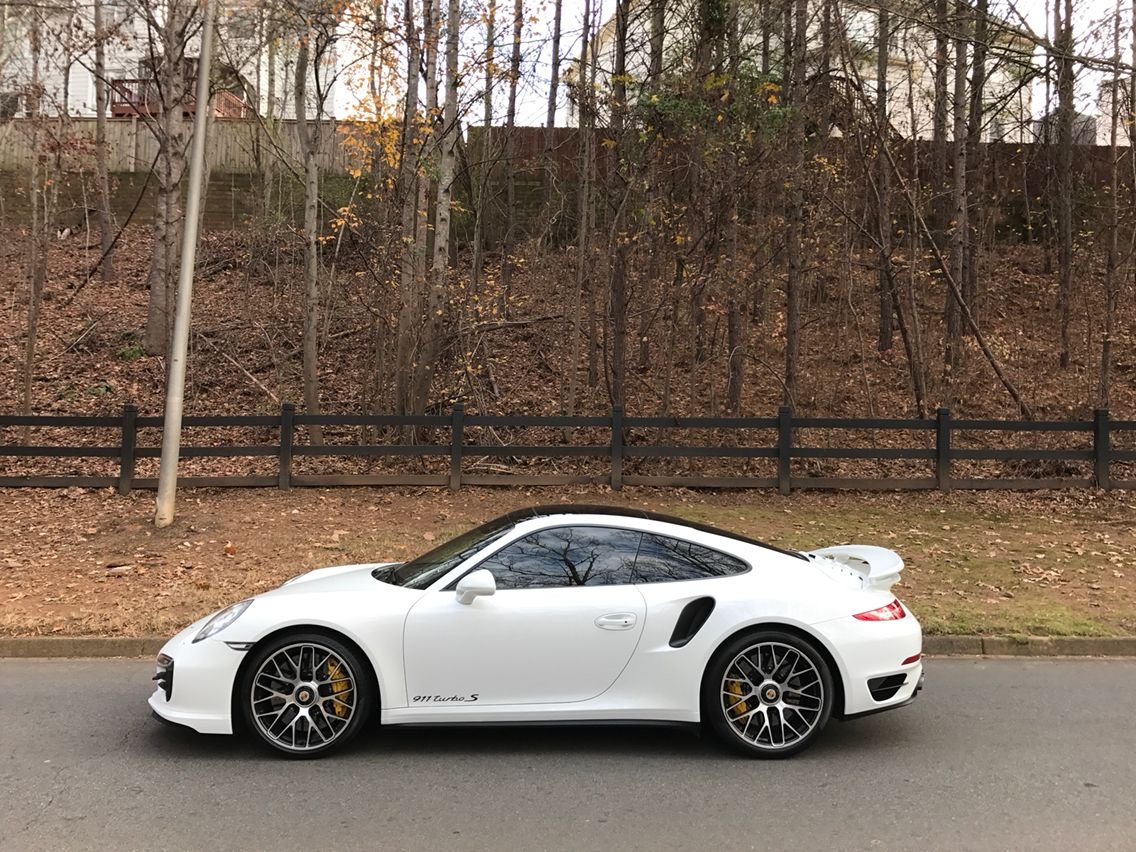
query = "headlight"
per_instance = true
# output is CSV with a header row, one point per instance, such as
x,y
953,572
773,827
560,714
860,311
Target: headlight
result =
x,y
222,620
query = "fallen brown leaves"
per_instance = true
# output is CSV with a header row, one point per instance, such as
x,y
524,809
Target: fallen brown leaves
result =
x,y
91,562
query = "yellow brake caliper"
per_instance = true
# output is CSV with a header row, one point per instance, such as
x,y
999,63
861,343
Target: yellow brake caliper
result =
x,y
734,687
340,688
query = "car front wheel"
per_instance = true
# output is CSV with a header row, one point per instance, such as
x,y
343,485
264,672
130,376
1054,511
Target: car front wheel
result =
x,y
768,693
306,694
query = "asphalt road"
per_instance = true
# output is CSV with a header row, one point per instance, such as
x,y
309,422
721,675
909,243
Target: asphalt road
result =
x,y
995,754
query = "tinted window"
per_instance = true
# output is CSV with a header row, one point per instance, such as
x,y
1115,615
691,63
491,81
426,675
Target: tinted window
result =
x,y
662,559
566,556
421,572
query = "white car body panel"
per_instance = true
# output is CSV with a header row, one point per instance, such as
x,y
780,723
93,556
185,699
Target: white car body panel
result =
x,y
562,654
565,656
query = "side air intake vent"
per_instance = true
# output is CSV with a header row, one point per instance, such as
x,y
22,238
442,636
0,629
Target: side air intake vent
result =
x,y
883,688
690,620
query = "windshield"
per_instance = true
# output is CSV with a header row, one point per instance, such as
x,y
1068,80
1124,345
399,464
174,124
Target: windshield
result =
x,y
421,572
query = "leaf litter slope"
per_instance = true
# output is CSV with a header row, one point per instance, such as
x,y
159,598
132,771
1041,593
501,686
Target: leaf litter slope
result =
x,y
78,562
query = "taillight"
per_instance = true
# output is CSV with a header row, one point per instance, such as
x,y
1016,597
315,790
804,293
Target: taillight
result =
x,y
892,612
914,658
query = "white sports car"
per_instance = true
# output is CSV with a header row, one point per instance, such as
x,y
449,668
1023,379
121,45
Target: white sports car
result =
x,y
558,615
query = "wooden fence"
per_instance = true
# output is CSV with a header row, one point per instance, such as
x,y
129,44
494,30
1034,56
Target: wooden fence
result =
x,y
239,146
1096,453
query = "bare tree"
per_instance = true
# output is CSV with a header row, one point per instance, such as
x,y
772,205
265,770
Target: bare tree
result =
x,y
508,248
796,21
883,182
1112,260
958,233
408,195
436,299
1063,45
618,241
939,198
168,33
484,155
102,176
976,157
736,288
316,40
549,175
583,208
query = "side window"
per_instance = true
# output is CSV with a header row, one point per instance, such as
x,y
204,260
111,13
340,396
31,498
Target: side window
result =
x,y
566,556
662,560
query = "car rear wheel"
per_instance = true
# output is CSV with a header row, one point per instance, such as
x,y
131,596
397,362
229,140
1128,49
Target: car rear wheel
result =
x,y
768,693
306,694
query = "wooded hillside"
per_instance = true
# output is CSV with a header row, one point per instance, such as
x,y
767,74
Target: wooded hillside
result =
x,y
737,222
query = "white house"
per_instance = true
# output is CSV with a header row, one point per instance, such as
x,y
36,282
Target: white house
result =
x,y
853,40
242,61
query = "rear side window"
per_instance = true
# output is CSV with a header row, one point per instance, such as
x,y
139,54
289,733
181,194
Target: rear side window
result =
x,y
663,559
566,556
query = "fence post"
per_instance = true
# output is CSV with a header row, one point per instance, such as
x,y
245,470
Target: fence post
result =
x,y
1102,452
616,447
126,453
784,449
943,449
457,436
287,435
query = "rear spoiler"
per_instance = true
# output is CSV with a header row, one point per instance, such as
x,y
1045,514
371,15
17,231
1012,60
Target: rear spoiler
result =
x,y
879,566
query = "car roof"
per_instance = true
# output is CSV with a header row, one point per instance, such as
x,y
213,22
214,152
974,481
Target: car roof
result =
x,y
534,512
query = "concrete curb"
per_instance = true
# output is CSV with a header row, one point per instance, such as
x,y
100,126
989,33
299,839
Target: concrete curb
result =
x,y
933,646
80,646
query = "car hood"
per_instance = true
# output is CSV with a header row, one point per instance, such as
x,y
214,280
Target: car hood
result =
x,y
338,578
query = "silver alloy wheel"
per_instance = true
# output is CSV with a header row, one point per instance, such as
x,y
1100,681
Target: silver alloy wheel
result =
x,y
303,697
772,695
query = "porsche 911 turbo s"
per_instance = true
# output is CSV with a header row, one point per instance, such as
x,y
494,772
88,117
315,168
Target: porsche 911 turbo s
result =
x,y
560,614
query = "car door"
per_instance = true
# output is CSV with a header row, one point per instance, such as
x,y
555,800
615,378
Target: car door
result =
x,y
561,627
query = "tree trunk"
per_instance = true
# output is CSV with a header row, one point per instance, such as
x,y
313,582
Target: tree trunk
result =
x,y
735,289
798,10
655,44
883,184
976,159
583,203
38,193
408,193
958,232
430,21
509,246
1064,46
618,245
102,177
436,300
269,162
309,146
940,203
549,175
592,281
1112,261
484,171
168,54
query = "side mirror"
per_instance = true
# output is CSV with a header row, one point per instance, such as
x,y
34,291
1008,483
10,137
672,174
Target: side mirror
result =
x,y
474,585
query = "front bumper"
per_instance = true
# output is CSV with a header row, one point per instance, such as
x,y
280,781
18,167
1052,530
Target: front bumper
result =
x,y
201,678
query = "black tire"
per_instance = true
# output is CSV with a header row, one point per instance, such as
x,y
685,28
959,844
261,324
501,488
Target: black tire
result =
x,y
771,688
312,708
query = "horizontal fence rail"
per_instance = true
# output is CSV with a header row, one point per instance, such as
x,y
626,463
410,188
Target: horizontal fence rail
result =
x,y
782,439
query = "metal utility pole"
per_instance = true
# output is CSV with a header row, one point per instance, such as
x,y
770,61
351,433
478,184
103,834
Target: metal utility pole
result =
x,y
175,386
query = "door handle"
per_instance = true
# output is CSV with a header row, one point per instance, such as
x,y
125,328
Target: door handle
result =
x,y
616,621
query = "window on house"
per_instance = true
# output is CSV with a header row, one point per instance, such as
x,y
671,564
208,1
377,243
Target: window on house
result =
x,y
9,105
